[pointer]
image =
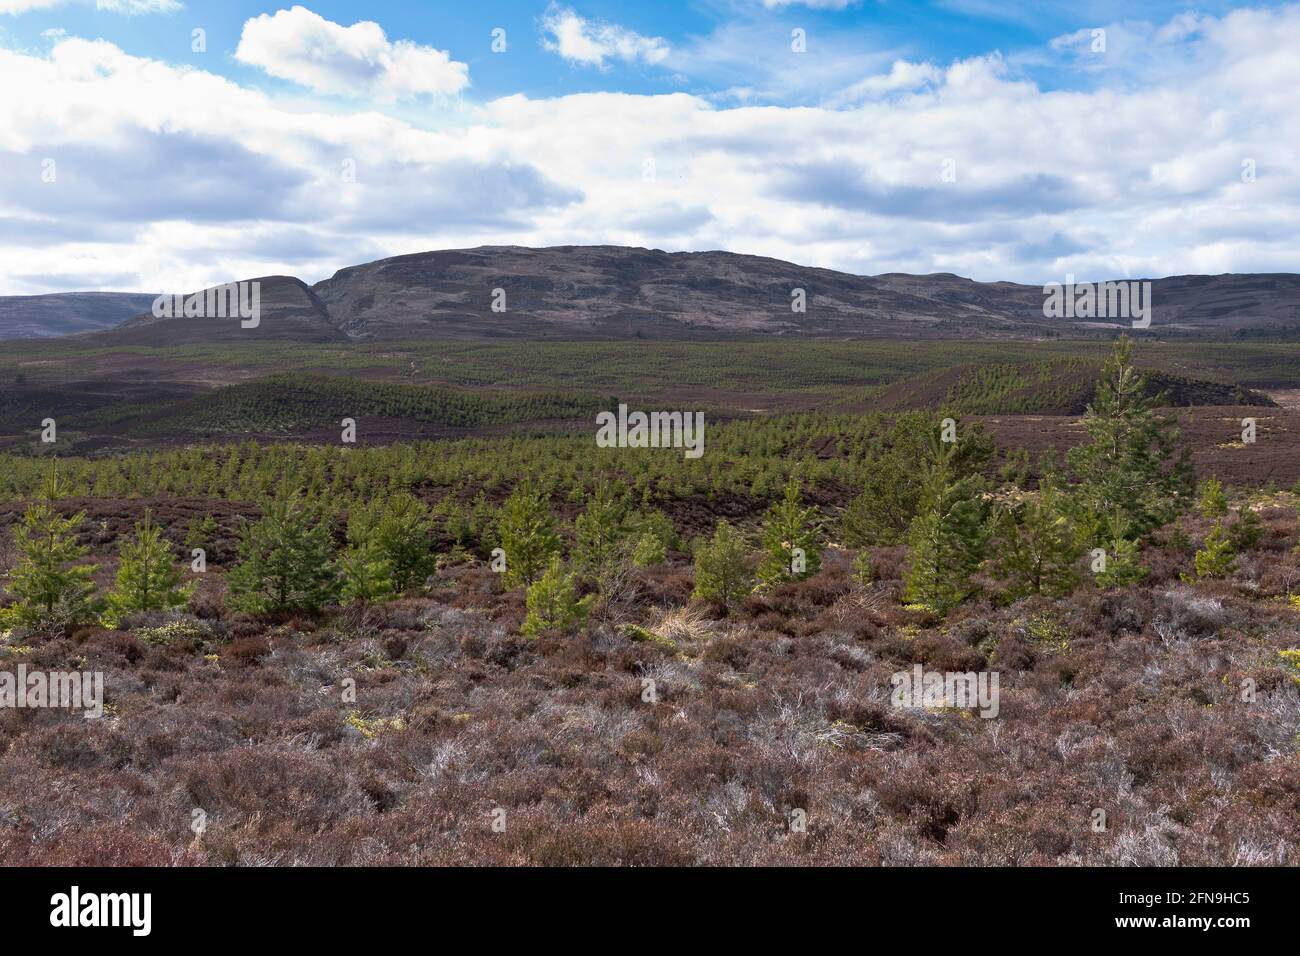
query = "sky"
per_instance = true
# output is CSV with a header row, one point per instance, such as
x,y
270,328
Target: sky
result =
x,y
165,146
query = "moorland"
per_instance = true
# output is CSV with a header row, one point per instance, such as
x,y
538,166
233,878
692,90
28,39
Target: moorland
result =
x,y
473,636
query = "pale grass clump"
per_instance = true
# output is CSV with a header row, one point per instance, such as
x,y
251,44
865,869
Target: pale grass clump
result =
x,y
685,626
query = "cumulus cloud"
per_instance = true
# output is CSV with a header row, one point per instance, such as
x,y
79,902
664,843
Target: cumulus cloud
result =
x,y
592,43
185,178
302,46
127,160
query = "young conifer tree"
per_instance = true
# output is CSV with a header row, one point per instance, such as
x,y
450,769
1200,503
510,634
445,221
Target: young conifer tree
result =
x,y
792,542
286,560
600,531
148,577
1211,500
365,569
1119,560
722,571
948,535
1247,530
526,532
1036,549
403,537
1216,558
1129,465
48,585
553,602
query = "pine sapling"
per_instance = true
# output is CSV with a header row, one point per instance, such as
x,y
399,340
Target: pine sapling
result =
x,y
148,578
553,602
792,543
526,533
722,569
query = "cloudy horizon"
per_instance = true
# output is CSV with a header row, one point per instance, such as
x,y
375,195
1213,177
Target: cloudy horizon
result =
x,y
160,145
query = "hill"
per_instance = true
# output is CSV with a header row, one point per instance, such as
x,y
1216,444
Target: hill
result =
x,y
42,316
620,293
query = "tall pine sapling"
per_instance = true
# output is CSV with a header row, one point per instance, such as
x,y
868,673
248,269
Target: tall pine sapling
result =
x,y
1129,464
365,569
48,587
286,560
403,536
526,532
948,535
1036,549
722,570
882,514
600,532
148,577
792,542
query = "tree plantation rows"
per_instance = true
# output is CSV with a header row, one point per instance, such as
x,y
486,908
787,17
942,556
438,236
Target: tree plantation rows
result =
x,y
292,402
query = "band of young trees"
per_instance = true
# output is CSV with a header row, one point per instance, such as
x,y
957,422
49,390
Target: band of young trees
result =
x,y
924,486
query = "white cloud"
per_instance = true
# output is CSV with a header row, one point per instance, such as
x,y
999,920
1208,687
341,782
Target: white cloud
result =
x,y
592,43
133,7
359,60
814,4
23,6
129,7
753,62
902,76
179,178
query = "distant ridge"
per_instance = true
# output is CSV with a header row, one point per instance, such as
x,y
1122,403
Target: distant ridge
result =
x,y
618,293
66,313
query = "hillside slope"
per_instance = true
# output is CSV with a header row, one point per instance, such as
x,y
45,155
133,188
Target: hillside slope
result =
x,y
290,312
614,292
43,316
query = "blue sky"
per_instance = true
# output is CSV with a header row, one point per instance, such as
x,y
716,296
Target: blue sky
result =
x,y
936,31
992,139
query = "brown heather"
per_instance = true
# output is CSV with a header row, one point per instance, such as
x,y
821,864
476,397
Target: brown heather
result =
x,y
1128,701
